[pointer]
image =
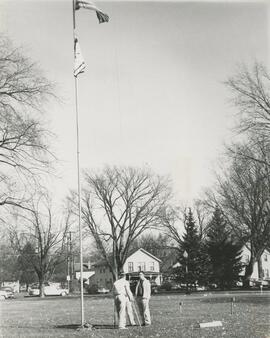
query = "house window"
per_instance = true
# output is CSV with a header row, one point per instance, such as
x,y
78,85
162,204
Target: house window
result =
x,y
265,257
130,267
141,266
266,273
152,266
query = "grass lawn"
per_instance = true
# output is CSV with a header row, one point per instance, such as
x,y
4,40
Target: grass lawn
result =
x,y
59,317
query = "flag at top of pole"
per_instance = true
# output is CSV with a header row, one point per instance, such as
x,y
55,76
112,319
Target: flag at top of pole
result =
x,y
102,17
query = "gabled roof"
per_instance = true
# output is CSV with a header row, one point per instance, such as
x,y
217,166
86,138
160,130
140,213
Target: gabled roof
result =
x,y
77,266
104,263
147,253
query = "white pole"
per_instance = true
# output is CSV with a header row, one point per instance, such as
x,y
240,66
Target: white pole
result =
x,y
78,175
79,202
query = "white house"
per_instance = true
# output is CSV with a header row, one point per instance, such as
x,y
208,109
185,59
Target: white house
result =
x,y
265,265
140,260
86,275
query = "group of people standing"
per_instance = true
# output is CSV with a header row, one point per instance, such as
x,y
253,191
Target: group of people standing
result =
x,y
124,300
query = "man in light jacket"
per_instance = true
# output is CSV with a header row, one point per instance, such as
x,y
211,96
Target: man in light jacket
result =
x,y
143,294
122,296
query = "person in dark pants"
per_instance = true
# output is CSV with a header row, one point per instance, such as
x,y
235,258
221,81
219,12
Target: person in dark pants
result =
x,y
143,294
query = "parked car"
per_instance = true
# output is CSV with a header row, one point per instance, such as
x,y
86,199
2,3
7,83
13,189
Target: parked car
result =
x,y
200,288
49,290
9,291
103,290
23,288
262,282
33,290
3,295
168,286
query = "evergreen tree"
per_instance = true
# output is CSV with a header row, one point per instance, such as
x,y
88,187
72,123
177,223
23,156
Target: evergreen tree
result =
x,y
25,268
193,258
224,253
8,269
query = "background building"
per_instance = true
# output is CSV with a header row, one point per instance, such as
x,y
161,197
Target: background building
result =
x,y
140,260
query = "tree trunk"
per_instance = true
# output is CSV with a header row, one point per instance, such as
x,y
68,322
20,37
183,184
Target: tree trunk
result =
x,y
248,273
114,274
114,267
41,288
260,269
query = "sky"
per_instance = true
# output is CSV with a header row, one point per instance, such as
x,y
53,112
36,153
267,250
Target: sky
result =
x,y
153,91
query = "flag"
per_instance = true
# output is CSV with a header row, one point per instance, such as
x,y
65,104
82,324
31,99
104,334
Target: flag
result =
x,y
102,17
79,64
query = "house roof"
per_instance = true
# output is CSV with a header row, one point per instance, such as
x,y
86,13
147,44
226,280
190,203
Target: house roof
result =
x,y
104,263
147,253
77,266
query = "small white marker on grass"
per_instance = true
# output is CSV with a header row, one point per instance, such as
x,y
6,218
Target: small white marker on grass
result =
x,y
211,324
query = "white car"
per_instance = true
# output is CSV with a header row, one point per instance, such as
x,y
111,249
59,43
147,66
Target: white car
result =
x,y
3,294
200,288
33,290
103,290
49,290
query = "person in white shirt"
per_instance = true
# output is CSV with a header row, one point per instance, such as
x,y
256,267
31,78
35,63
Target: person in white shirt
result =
x,y
122,297
143,294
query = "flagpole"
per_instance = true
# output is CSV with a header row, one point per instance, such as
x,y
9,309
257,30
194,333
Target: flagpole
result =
x,y
78,177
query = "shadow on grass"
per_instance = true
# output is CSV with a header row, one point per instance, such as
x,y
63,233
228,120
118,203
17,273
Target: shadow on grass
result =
x,y
104,326
93,326
78,326
68,326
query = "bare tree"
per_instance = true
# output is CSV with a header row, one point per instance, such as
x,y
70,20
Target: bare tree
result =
x,y
251,90
44,234
251,96
243,194
202,214
153,243
174,220
24,146
119,204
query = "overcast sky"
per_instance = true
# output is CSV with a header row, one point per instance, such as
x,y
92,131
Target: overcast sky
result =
x,y
153,92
